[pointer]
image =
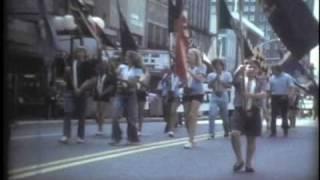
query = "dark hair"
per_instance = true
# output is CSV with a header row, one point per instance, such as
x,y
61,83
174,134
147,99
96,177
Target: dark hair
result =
x,y
217,61
255,62
277,68
135,58
76,53
263,69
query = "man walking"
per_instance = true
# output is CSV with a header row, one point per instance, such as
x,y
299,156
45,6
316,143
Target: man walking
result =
x,y
281,85
219,81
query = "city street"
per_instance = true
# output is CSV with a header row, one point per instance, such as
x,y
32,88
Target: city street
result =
x,y
36,154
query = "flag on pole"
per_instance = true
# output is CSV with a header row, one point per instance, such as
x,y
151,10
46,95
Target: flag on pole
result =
x,y
224,17
127,41
91,29
174,12
104,37
294,23
182,44
226,21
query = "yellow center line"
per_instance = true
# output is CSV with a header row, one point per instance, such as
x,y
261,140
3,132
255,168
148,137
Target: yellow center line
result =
x,y
95,159
40,167
67,160
72,162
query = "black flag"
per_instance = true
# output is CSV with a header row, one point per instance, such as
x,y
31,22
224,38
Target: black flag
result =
x,y
88,29
226,21
224,16
174,12
126,39
104,37
53,38
294,24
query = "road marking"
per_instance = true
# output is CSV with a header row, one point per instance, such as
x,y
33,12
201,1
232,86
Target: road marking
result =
x,y
77,161
14,138
299,123
99,154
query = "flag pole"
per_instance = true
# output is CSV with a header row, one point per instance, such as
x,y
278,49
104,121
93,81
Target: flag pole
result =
x,y
244,104
171,39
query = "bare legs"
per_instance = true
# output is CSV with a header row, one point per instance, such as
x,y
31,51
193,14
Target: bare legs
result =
x,y
236,146
192,109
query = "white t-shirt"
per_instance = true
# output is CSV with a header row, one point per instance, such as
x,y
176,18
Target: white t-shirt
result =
x,y
231,92
127,73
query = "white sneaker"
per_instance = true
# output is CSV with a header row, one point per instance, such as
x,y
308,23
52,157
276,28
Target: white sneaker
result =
x,y
99,133
211,136
171,134
64,139
80,140
188,145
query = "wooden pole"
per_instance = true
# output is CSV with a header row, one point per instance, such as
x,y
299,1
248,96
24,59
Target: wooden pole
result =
x,y
244,104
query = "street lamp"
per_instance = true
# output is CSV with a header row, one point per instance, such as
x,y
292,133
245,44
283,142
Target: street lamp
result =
x,y
67,25
64,23
258,49
266,42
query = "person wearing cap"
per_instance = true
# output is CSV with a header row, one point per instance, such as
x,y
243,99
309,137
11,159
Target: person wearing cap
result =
x,y
219,81
79,75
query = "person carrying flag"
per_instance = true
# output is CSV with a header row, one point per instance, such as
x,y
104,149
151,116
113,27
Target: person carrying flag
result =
x,y
193,93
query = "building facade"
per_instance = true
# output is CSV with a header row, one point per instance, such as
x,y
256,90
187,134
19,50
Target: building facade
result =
x,y
133,11
199,23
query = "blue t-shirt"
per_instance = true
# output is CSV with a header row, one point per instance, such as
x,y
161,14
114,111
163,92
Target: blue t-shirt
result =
x,y
170,83
196,85
279,85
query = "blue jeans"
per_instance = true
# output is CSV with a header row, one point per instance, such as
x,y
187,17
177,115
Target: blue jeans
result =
x,y
218,105
77,106
128,105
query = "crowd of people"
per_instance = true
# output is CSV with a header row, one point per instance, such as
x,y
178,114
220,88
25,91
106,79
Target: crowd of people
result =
x,y
258,96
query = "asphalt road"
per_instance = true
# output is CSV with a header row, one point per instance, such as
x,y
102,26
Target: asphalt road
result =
x,y
35,154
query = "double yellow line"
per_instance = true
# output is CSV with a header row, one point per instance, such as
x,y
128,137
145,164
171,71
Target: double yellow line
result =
x,y
91,158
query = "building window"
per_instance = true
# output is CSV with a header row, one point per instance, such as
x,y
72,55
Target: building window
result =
x,y
246,8
213,9
157,37
252,8
251,18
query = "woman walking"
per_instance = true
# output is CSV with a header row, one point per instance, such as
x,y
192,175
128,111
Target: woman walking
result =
x,y
129,77
193,93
